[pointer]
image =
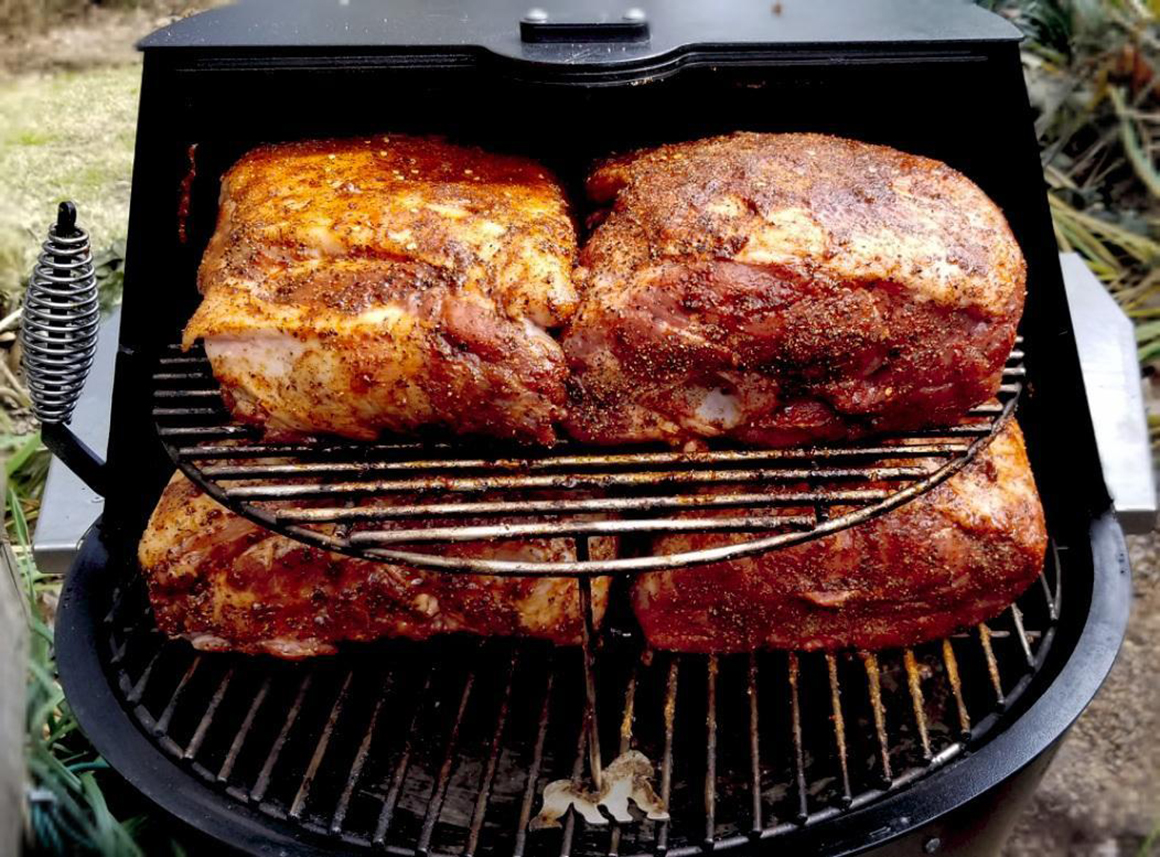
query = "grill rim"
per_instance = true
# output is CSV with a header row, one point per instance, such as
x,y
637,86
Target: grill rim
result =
x,y
1058,694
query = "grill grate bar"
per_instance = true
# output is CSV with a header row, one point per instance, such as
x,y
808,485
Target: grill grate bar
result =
x,y
839,724
162,725
203,725
987,410
473,485
583,506
1047,596
481,800
752,523
710,755
577,775
259,790
299,802
227,767
992,664
979,429
532,465
956,683
874,681
115,607
200,393
329,449
799,756
914,684
626,721
187,412
203,375
207,431
1052,596
754,749
435,806
588,641
534,767
669,715
134,695
386,814
1021,633
360,760
1058,591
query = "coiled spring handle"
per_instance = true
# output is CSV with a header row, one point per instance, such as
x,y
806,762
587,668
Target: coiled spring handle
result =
x,y
59,337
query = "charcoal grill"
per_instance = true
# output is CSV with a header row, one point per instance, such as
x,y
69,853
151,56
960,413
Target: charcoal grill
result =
x,y
444,748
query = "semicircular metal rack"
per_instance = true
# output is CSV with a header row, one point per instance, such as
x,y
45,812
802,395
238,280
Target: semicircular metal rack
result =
x,y
387,501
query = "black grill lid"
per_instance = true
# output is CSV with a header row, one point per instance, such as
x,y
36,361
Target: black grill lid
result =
x,y
582,33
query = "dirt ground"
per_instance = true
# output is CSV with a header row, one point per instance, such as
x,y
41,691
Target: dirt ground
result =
x,y
1101,797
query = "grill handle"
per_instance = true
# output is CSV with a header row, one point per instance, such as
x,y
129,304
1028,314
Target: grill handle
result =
x,y
58,334
1111,375
538,27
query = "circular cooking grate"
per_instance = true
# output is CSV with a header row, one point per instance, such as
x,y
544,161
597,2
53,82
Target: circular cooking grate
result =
x,y
445,747
384,500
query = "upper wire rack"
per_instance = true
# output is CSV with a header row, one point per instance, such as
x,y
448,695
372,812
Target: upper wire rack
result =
x,y
381,501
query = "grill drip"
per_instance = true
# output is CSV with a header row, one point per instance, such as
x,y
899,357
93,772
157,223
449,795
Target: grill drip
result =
x,y
345,496
444,747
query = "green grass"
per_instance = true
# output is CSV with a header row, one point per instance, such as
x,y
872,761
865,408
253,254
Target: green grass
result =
x,y
65,135
67,809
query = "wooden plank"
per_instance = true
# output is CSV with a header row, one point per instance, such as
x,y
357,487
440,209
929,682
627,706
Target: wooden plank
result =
x,y
13,654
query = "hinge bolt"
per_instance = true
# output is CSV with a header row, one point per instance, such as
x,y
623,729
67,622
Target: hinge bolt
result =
x,y
536,15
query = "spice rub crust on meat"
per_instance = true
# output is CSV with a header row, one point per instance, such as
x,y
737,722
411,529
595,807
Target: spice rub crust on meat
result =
x,y
225,583
949,559
388,284
787,288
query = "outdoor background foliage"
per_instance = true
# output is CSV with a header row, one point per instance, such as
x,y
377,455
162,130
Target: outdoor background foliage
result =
x,y
67,107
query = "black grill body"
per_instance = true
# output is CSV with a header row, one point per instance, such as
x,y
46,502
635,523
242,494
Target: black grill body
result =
x,y
272,758
942,80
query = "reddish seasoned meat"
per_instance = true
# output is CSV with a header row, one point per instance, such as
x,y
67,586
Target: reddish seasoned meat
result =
x,y
787,288
225,583
388,284
949,559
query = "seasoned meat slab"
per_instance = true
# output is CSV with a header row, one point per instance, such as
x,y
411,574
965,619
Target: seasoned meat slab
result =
x,y
225,583
951,558
388,284
787,288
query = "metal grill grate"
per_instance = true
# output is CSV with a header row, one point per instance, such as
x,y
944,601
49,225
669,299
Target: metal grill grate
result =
x,y
444,747
371,499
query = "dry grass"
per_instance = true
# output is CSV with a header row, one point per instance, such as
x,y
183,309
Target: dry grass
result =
x,y
22,18
64,135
